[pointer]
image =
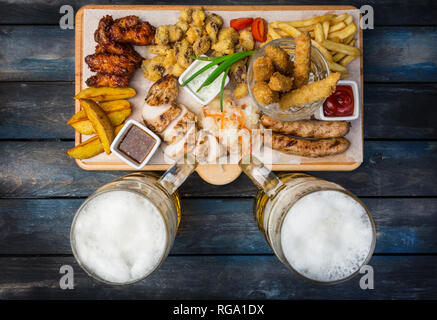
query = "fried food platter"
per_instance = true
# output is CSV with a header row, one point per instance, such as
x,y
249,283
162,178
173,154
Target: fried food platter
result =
x,y
87,20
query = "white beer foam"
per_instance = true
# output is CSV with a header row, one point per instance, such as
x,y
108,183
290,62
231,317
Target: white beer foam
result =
x,y
326,236
120,236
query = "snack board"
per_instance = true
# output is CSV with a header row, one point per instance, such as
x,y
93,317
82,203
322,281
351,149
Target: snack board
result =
x,y
86,22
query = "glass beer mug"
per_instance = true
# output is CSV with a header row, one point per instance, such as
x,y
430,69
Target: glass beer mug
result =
x,y
124,231
316,228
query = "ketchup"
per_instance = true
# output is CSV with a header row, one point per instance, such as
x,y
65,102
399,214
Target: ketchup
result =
x,y
340,103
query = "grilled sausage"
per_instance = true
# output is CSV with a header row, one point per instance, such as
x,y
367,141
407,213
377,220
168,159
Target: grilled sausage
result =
x,y
309,148
307,128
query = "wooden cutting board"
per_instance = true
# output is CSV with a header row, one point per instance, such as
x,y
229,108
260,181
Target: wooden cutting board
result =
x,y
214,174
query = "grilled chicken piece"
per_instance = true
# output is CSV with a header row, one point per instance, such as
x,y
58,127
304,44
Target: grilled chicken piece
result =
x,y
160,122
130,30
106,44
308,148
181,147
163,91
110,64
184,123
107,80
307,128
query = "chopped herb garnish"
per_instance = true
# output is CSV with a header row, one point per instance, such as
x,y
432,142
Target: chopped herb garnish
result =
x,y
225,63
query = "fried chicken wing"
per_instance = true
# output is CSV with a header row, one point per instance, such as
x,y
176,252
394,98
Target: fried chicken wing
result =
x,y
130,30
263,68
264,94
107,80
106,44
110,64
281,60
128,21
310,92
279,82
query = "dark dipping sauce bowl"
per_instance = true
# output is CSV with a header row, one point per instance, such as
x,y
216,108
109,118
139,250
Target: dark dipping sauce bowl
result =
x,y
135,144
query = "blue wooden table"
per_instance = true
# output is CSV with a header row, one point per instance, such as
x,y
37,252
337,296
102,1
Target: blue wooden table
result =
x,y
219,252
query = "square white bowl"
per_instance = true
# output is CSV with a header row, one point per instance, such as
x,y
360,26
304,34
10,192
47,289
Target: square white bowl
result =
x,y
183,77
117,139
357,106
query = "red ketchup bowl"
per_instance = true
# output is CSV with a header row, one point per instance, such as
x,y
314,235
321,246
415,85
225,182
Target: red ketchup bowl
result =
x,y
343,104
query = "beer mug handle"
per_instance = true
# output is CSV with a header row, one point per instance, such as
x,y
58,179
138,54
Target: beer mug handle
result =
x,y
178,173
262,176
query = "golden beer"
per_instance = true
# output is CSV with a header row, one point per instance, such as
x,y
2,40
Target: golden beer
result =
x,y
307,220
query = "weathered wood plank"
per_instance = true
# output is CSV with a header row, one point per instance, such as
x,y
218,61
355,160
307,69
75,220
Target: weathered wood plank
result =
x,y
212,226
388,52
36,110
218,277
36,53
46,53
40,111
398,111
390,168
388,12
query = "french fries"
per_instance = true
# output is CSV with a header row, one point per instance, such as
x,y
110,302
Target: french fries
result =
x,y
343,48
326,25
106,94
339,18
344,33
333,35
336,27
319,35
311,21
284,26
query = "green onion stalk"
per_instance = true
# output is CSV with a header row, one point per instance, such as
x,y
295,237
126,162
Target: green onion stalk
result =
x,y
224,65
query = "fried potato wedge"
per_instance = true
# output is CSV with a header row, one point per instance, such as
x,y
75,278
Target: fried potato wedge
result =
x,y
106,94
86,149
101,123
89,148
109,106
85,126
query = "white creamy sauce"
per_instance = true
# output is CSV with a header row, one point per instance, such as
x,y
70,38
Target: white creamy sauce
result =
x,y
120,236
206,92
326,236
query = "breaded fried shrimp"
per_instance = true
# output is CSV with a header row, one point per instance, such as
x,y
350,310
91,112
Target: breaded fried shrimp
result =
x,y
302,60
310,92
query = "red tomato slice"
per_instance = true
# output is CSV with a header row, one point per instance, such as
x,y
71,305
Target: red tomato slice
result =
x,y
259,29
241,23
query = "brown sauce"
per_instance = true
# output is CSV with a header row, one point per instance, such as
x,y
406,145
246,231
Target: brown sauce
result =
x,y
136,144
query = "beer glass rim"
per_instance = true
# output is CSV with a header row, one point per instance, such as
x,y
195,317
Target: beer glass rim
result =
x,y
371,249
73,242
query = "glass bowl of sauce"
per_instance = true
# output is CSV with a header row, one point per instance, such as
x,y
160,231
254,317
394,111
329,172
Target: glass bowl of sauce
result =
x,y
343,104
